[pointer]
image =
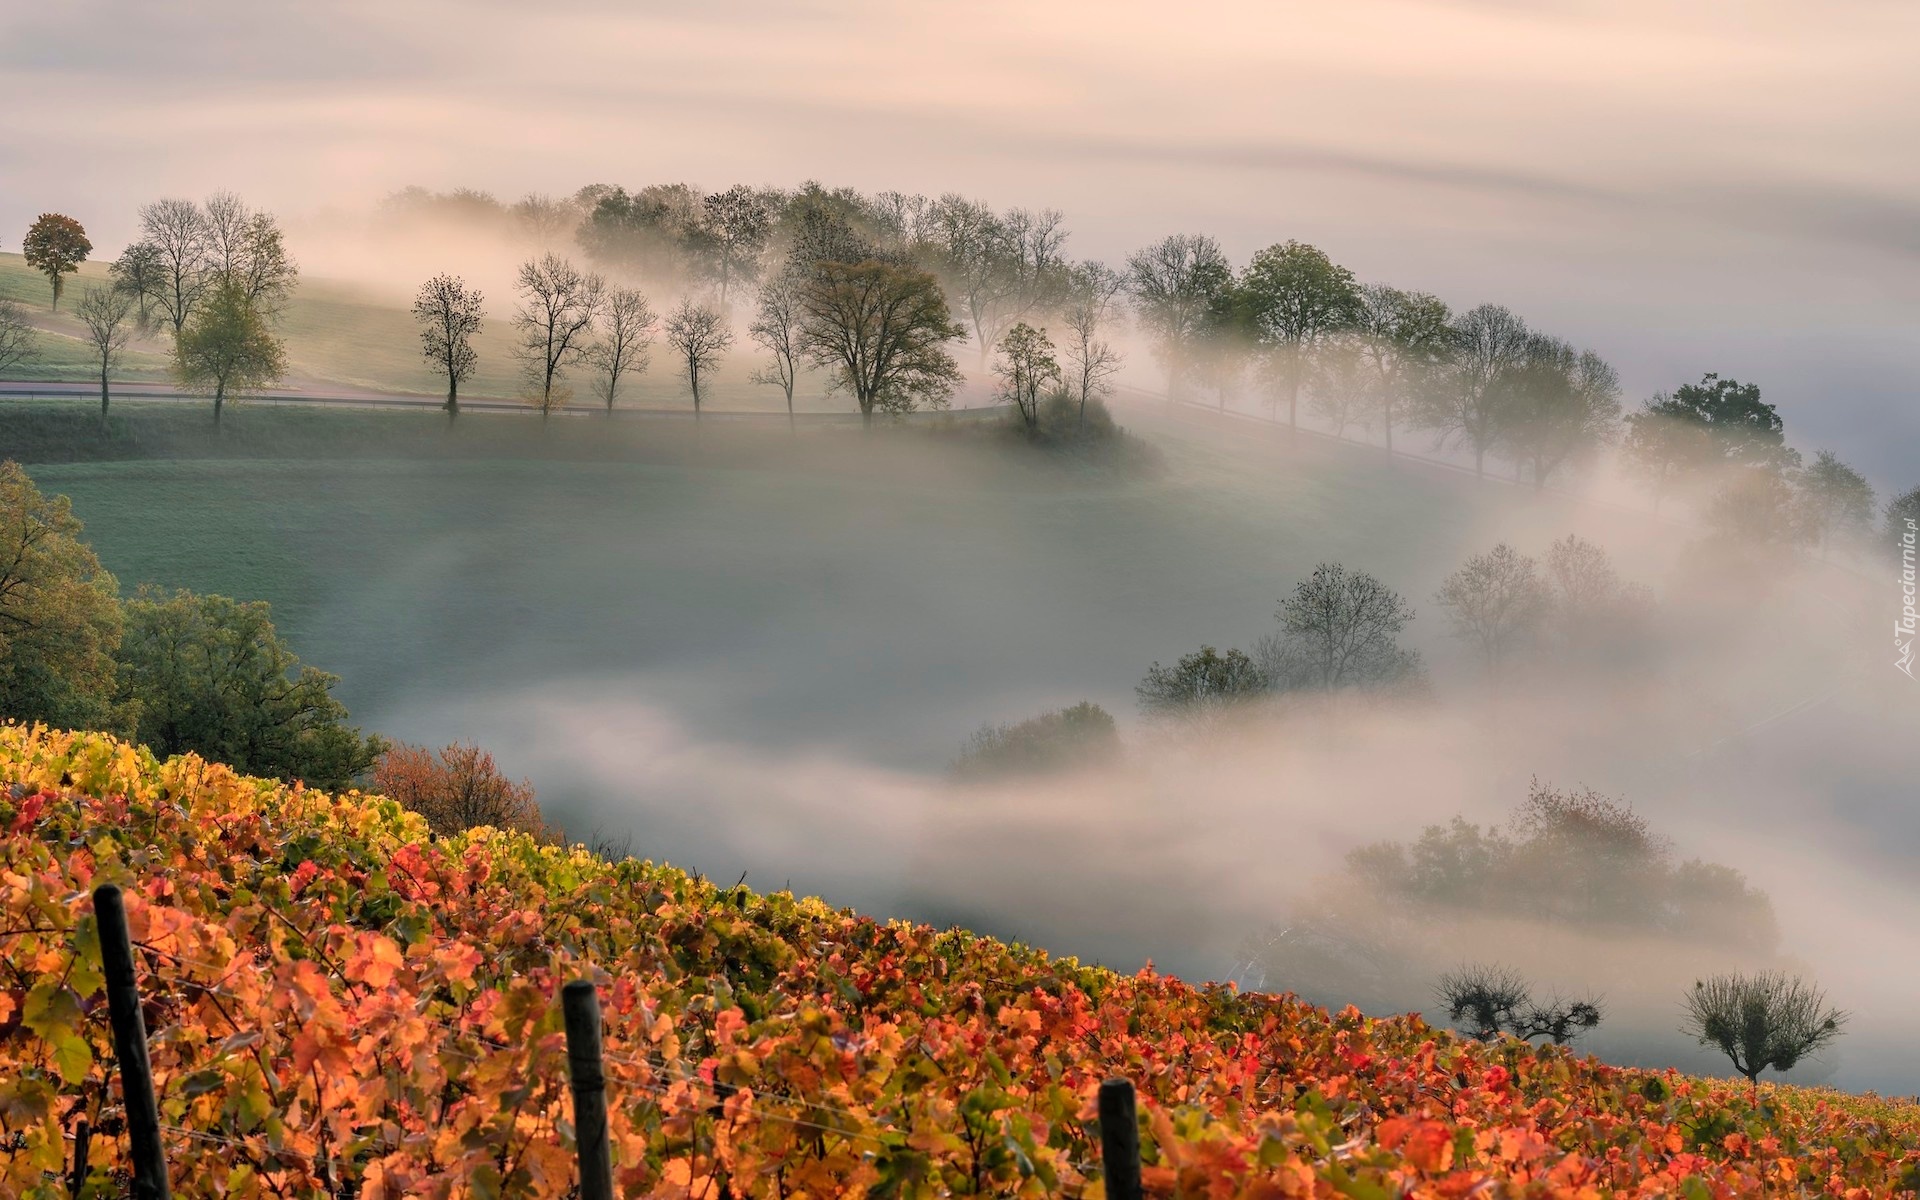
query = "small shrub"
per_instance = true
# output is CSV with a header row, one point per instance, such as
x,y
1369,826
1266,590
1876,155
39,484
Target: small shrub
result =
x,y
1080,735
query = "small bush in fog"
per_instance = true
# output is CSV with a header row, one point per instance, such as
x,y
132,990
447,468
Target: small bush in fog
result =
x,y
1080,735
457,788
1201,685
1486,1001
1761,1021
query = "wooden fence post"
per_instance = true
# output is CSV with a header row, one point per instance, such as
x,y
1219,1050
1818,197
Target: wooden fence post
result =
x,y
130,1045
1119,1140
580,1004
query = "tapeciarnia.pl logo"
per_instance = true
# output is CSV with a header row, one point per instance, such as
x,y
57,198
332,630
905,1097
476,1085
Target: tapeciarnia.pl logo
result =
x,y
1903,629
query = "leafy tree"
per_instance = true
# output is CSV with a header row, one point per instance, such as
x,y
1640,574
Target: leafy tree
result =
x,y
1201,686
1836,500
17,345
1463,406
107,313
699,336
1496,601
653,232
1406,339
778,329
736,223
1485,1001
456,788
1555,403
1768,1020
559,304
1903,513
627,323
1297,299
449,315
1757,507
139,272
174,232
55,245
227,349
59,613
1716,422
1025,368
211,677
1083,734
247,253
882,329
1177,285
1339,629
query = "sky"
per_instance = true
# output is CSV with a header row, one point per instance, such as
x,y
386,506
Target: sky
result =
x,y
1710,186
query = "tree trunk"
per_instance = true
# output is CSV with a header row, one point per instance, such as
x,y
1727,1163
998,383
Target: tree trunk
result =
x,y
219,395
103,391
1479,463
791,424
453,398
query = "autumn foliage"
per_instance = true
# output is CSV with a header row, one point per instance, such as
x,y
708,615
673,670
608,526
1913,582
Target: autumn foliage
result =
x,y
339,1006
456,788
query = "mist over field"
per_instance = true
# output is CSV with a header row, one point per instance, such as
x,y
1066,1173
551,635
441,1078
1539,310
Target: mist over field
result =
x,y
756,647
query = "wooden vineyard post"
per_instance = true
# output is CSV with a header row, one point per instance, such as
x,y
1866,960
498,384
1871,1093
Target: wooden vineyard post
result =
x,y
1119,1140
130,1045
580,1004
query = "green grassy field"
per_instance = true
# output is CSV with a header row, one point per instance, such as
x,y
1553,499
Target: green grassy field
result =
x,y
345,335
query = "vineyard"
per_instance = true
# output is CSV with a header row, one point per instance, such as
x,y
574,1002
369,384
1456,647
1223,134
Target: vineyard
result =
x,y
340,1005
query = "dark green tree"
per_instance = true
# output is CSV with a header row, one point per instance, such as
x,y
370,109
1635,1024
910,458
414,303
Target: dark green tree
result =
x,y
211,677
1297,299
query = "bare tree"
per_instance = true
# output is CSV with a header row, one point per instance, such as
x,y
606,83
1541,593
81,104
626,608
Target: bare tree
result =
x,y
1767,1020
627,324
882,329
247,252
1464,406
545,221
777,326
558,306
1175,284
449,314
1404,337
1496,601
1025,367
16,337
699,336
1485,1001
177,231
1091,361
107,313
976,254
1339,629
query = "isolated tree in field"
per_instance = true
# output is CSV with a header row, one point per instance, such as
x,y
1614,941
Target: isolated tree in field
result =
x,y
210,676
626,330
558,305
1590,610
1176,284
456,788
777,328
227,350
1339,629
1026,367
1201,686
17,345
699,336
882,330
59,613
55,246
1555,403
1404,337
139,273
1089,361
107,313
1485,1001
1836,500
1768,1020
1297,299
1463,406
1903,514
1496,601
449,314
176,231
247,253
736,224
